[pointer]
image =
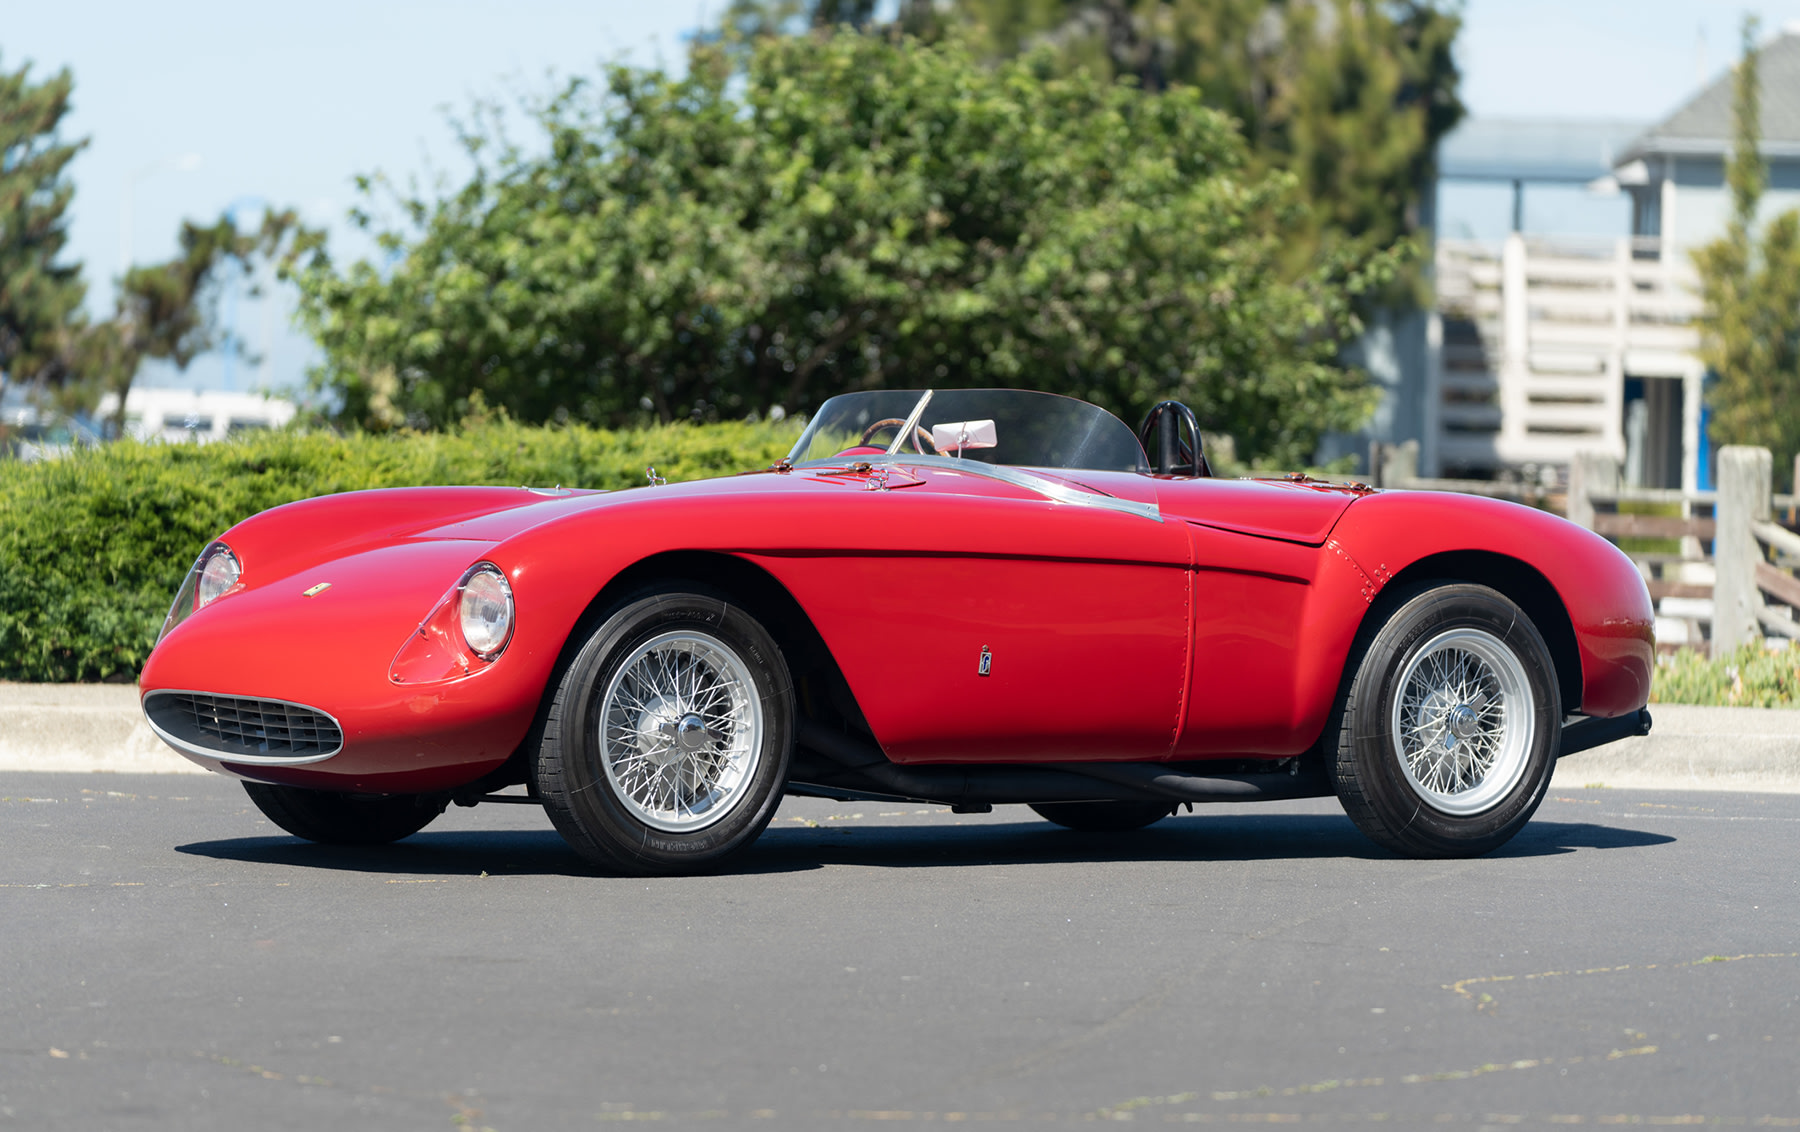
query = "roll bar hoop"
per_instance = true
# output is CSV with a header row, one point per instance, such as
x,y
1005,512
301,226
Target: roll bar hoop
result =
x,y
1173,455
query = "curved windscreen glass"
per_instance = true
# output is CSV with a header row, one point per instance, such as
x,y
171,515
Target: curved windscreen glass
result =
x,y
994,426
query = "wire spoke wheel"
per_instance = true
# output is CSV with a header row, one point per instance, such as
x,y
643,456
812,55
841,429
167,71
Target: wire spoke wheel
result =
x,y
680,730
666,749
1458,728
1445,735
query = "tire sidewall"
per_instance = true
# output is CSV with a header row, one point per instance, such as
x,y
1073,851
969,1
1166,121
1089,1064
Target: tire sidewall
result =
x,y
1383,781
591,800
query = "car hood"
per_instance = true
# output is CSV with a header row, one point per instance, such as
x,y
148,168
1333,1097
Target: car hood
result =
x,y
284,540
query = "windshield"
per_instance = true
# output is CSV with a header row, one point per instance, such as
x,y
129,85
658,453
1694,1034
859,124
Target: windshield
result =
x,y
993,426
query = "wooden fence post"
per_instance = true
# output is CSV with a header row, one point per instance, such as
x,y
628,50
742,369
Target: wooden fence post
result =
x,y
1592,473
1399,463
1794,490
1744,487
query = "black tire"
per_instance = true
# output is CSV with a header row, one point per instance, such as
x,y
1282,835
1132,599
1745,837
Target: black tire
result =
x,y
606,798
345,819
1462,777
1103,817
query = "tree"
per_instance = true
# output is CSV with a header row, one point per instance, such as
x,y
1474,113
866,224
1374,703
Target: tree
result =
x,y
167,310
1351,96
47,342
855,213
39,295
1750,288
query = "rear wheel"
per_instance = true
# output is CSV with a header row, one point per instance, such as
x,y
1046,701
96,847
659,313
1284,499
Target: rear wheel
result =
x,y
667,747
1103,817
1447,734
345,819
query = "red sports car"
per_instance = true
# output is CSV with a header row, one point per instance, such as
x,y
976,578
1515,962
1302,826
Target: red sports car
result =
x,y
968,597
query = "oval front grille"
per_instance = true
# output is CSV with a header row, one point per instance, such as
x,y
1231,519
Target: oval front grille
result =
x,y
242,727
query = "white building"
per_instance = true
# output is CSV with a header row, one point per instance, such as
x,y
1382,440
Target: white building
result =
x,y
202,415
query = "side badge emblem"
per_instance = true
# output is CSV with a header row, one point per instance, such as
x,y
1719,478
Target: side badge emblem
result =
x,y
315,591
987,662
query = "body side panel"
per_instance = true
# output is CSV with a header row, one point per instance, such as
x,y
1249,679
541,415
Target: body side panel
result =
x,y
1273,621
1083,612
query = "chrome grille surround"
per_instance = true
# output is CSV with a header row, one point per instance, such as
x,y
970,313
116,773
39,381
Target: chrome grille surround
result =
x,y
243,729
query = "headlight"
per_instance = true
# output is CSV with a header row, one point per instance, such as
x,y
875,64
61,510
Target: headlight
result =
x,y
218,575
486,610
214,574
465,631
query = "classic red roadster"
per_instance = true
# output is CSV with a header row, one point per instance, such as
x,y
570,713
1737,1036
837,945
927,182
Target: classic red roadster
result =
x,y
966,597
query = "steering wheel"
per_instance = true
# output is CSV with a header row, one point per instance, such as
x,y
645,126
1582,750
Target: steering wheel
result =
x,y
919,434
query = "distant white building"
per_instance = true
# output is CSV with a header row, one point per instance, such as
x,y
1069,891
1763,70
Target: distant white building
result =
x,y
202,415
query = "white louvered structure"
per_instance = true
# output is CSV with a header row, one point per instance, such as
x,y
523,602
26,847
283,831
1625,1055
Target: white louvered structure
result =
x,y
1538,339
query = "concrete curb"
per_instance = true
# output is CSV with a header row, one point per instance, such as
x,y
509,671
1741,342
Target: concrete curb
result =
x,y
1697,748
81,727
98,728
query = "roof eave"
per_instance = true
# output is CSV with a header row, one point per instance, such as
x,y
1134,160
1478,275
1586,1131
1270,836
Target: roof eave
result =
x,y
1696,147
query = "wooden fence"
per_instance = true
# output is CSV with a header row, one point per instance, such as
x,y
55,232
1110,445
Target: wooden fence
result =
x,y
1719,564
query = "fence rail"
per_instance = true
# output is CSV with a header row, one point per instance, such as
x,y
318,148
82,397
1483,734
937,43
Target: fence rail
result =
x,y
1652,526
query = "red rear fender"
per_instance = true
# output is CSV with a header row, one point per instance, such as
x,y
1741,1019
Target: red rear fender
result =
x,y
1402,534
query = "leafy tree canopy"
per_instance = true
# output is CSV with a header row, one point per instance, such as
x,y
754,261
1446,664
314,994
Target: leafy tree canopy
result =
x,y
1351,96
853,212
1750,285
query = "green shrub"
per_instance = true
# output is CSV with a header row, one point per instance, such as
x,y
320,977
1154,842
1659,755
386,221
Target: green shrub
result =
x,y
92,547
1750,677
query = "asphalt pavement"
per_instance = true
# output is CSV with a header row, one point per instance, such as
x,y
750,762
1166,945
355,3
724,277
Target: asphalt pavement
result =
x,y
172,961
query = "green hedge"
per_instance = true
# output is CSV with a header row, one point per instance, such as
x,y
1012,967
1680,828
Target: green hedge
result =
x,y
93,547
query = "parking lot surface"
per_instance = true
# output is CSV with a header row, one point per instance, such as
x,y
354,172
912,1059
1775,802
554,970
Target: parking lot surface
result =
x,y
171,960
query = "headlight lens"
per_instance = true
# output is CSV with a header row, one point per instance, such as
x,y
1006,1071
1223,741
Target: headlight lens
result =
x,y
219,574
213,575
486,610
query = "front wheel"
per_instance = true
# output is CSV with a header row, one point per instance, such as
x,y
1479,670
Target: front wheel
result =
x,y
332,818
666,749
1447,733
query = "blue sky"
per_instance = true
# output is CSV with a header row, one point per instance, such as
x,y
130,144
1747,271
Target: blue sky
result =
x,y
287,103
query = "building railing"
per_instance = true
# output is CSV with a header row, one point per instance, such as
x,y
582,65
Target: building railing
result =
x,y
1539,335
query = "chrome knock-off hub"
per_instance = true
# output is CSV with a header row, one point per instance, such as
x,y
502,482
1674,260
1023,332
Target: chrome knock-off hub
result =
x,y
1460,722
692,734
